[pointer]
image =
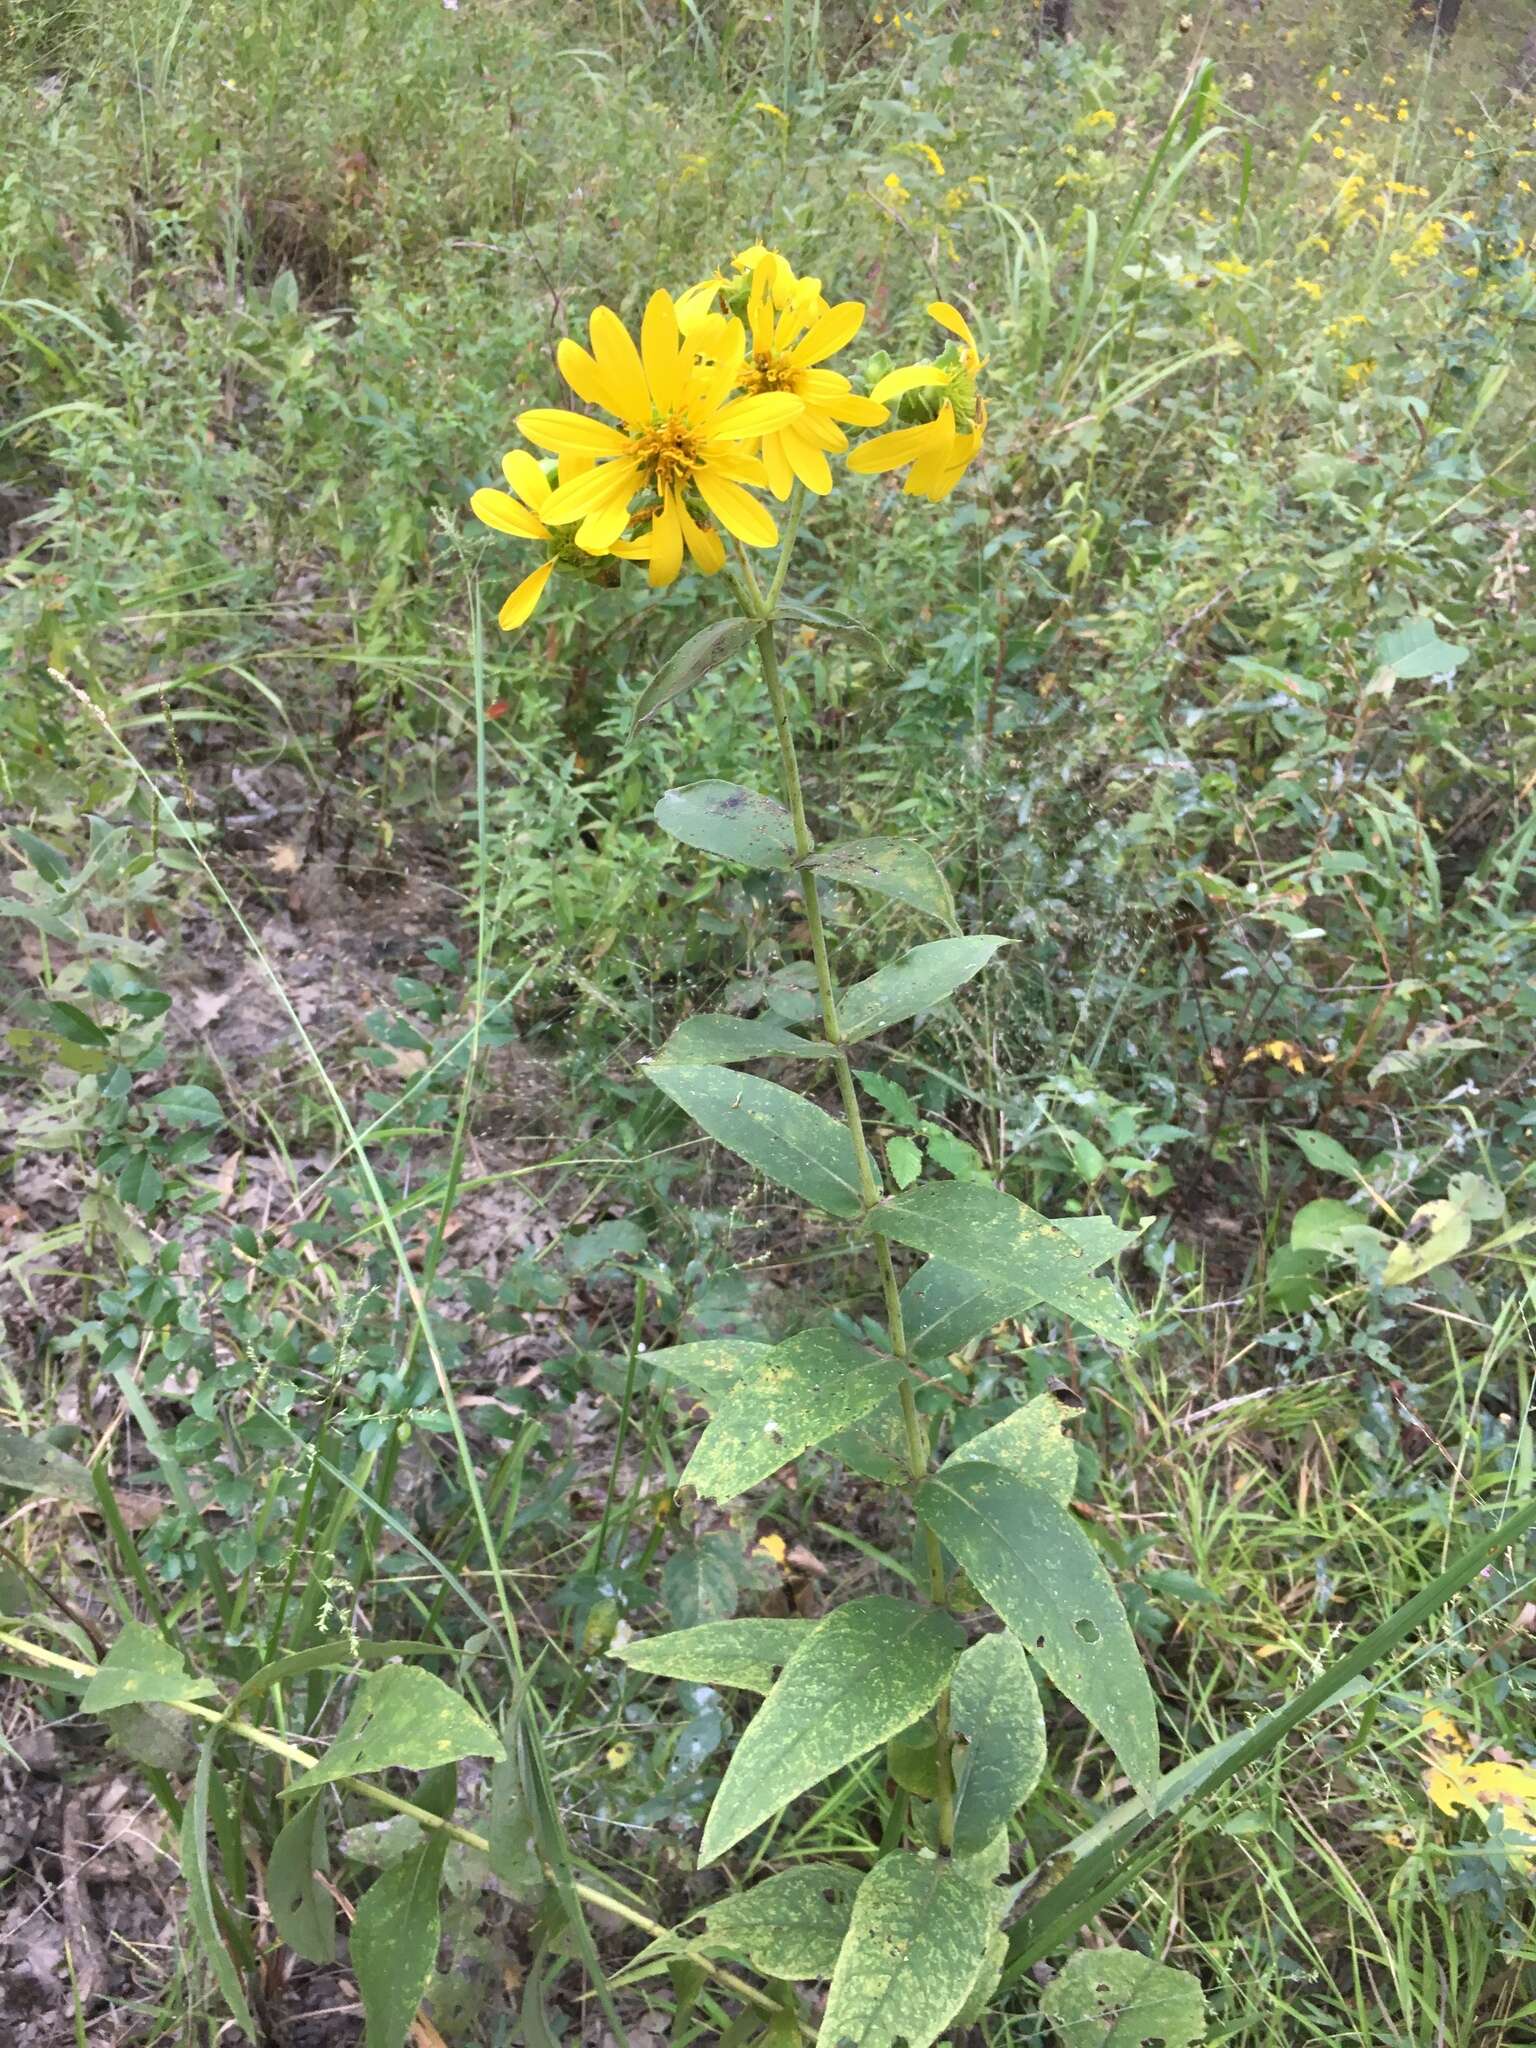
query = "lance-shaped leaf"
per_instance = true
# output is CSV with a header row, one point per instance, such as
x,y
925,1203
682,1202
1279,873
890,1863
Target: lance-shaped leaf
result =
x,y
725,819
403,1717
810,1387
302,1907
710,1366
1002,1241
717,1039
737,1653
141,1667
994,1708
917,981
944,1306
394,1939
793,1925
202,1907
870,1669
841,625
918,1936
1032,1563
889,867
785,1137
1115,1998
1031,1444
694,660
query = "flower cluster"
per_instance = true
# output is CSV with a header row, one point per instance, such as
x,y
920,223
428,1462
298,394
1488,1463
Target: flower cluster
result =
x,y
727,396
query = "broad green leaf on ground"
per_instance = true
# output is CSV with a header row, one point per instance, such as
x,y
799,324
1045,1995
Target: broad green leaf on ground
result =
x,y
201,1908
711,1038
303,1910
809,1388
824,619
793,1925
38,1467
1028,1558
1003,1242
735,823
1415,651
698,657
141,1667
392,1947
944,1307
919,980
739,1653
711,1366
1030,1443
785,1137
918,1936
405,1718
889,867
978,2000
994,1707
1115,1998
870,1669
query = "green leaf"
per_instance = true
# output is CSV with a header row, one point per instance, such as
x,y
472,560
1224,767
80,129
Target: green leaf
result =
x,y
1449,1235
919,980
200,1903
712,1367
994,1706
869,1669
1317,1226
809,1388
1009,1246
39,1467
875,1445
140,1182
699,1581
904,1160
792,1926
1325,1153
188,1107
889,867
785,1137
693,661
912,1758
746,1654
402,1718
1028,1558
303,1910
393,1944
1114,1998
74,1026
141,1667
514,1852
1032,1444
714,1039
725,819
827,620
919,1934
1415,650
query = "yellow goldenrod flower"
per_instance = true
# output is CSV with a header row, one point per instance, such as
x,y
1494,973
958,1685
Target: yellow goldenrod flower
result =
x,y
1101,117
767,107
1232,266
680,434
523,515
1308,285
1356,374
946,438
935,161
895,187
786,348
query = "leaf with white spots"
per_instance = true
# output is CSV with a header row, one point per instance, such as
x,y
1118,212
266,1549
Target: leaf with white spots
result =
x,y
918,1937
792,1925
1030,1443
789,1140
403,1718
742,1653
140,1669
994,1710
922,978
944,1306
1115,1998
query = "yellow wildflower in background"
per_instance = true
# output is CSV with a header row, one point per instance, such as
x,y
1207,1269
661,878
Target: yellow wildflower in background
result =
x,y
1455,1785
1232,266
1425,245
679,432
1101,117
895,187
1356,374
1309,285
786,350
942,446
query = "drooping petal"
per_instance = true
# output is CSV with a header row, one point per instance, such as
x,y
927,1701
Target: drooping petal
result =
x,y
781,478
569,466
604,524
737,510
666,544
619,361
550,427
583,375
831,332
518,608
953,321
610,483
763,413
526,477
704,544
505,515
730,459
915,377
820,430
807,461
906,444
659,350
855,411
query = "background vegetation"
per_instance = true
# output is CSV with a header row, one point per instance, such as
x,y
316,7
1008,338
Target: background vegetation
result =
x,y
336,926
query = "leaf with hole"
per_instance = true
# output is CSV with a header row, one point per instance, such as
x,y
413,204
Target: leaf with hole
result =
x,y
303,1910
870,1669
809,1388
402,1718
747,1654
994,1710
1009,1246
141,1667
919,1934
791,1926
1032,1444
889,867
392,1947
711,1038
698,657
1115,1998
785,1137
734,823
1032,1563
922,978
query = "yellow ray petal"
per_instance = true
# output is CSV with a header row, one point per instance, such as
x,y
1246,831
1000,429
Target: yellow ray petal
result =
x,y
704,544
763,413
612,483
505,515
604,524
916,377
519,606
666,544
831,332
659,349
619,361
955,322
807,461
781,478
906,444
583,375
526,478
855,411
549,427
737,511
730,460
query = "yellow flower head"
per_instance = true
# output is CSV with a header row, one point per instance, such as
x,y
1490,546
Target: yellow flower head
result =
x,y
1309,285
679,439
523,515
947,436
788,342
700,300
